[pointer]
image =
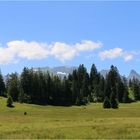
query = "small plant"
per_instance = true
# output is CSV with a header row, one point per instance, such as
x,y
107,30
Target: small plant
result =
x,y
9,102
106,103
25,113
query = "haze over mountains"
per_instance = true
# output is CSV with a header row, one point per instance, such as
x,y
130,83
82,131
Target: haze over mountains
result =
x,y
65,70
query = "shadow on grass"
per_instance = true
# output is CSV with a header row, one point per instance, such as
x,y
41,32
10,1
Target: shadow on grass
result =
x,y
10,106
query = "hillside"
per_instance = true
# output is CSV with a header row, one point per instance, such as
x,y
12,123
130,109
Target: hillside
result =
x,y
76,122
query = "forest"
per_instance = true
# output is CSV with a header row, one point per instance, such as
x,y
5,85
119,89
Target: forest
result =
x,y
79,88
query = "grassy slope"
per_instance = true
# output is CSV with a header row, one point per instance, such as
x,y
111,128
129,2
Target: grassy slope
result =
x,y
69,122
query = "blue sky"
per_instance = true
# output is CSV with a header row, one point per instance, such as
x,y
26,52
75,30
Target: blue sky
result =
x,y
38,34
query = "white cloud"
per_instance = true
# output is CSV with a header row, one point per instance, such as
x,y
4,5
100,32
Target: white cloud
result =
x,y
128,57
17,50
28,50
115,53
110,54
6,55
88,45
63,51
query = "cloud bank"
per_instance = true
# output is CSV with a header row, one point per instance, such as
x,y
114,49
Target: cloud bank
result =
x,y
110,54
21,49
15,51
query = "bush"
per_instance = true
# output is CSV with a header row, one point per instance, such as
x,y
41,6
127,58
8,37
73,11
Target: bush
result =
x,y
106,103
114,103
10,101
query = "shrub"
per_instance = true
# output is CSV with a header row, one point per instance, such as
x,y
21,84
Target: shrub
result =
x,y
106,103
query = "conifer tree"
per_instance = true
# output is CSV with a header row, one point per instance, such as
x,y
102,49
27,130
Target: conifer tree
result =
x,y
26,82
126,98
2,85
97,85
9,101
111,90
94,81
74,87
136,89
13,86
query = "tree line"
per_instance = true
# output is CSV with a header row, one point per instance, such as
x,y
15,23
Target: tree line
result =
x,y
78,88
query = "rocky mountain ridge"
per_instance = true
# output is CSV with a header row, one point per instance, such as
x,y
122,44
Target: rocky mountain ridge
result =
x,y
65,70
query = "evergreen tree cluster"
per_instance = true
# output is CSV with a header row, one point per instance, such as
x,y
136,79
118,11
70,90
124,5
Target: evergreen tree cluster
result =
x,y
78,88
134,88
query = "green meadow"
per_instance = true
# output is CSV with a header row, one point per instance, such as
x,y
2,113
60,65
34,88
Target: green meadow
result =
x,y
76,122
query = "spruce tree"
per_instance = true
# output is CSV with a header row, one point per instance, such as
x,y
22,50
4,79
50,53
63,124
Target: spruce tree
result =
x,y
112,83
9,101
2,85
67,95
136,89
101,89
83,85
96,85
126,98
13,86
74,87
26,81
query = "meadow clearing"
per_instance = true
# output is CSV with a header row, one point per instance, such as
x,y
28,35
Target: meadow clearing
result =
x,y
76,122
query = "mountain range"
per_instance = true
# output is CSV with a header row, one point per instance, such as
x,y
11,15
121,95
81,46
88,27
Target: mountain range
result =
x,y
65,70
60,71
134,75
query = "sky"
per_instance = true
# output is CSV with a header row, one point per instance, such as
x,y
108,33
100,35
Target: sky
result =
x,y
62,33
